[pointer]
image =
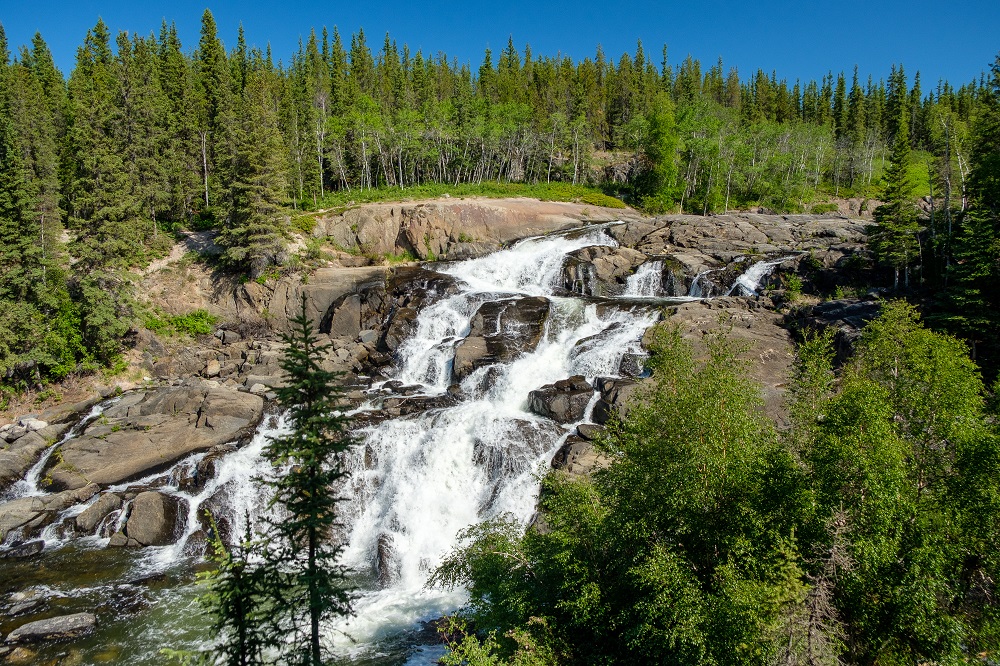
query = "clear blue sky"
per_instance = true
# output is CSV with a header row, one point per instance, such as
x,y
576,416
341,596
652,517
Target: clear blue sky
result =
x,y
800,39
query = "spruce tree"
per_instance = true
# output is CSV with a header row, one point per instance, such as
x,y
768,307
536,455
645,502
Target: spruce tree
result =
x,y
236,601
256,220
894,240
302,555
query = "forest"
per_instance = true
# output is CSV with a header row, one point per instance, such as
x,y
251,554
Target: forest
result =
x,y
146,137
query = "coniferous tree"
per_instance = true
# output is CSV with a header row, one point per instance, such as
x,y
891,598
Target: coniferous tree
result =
x,y
307,582
256,220
237,601
894,240
214,96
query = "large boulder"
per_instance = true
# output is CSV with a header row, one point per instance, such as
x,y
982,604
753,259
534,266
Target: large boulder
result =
x,y
152,520
564,402
149,432
92,516
64,627
501,331
615,397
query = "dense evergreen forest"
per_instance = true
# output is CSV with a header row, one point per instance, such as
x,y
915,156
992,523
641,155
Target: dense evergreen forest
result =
x,y
145,137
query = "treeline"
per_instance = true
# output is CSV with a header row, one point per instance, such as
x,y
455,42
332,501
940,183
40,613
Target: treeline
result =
x,y
864,533
145,136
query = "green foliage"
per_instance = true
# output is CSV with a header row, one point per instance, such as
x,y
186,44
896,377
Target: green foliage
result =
x,y
196,322
864,534
304,579
820,208
793,287
235,599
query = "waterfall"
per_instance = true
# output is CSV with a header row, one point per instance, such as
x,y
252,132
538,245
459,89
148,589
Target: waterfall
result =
x,y
646,282
748,283
697,290
418,480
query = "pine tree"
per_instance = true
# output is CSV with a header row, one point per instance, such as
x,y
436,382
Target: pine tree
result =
x,y
894,240
214,97
256,220
302,555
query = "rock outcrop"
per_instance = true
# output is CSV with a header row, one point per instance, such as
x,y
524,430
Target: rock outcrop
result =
x,y
148,432
454,228
564,401
720,247
501,331
60,628
30,514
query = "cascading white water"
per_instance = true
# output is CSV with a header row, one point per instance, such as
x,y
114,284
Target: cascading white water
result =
x,y
28,486
697,290
646,282
417,481
749,282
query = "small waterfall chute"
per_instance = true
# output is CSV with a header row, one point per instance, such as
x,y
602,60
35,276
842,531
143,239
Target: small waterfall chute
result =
x,y
748,283
646,282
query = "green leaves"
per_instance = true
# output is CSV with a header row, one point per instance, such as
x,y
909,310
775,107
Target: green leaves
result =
x,y
866,534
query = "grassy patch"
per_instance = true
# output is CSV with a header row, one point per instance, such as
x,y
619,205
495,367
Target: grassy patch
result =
x,y
401,258
543,191
196,322
824,207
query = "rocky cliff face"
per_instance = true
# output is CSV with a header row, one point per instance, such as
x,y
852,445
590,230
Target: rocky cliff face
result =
x,y
455,229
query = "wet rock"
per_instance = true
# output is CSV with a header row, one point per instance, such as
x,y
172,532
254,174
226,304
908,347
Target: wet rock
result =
x,y
470,353
383,561
151,435
578,457
401,326
600,270
64,627
94,514
500,331
153,519
31,514
26,601
564,402
18,456
23,550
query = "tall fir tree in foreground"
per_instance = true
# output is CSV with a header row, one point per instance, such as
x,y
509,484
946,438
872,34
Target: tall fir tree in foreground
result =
x,y
270,593
307,584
